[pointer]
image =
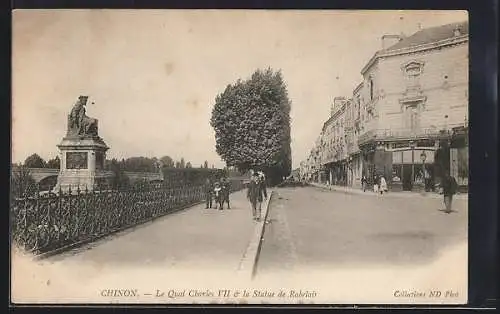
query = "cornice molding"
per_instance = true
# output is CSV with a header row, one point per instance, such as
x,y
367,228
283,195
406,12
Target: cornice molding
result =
x,y
452,41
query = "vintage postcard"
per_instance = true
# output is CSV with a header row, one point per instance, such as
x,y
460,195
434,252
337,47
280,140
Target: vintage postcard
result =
x,y
239,157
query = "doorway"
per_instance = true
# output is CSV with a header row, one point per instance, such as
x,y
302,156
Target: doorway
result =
x,y
407,178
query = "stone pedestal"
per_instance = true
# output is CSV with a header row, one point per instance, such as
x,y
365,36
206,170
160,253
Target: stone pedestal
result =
x,y
82,163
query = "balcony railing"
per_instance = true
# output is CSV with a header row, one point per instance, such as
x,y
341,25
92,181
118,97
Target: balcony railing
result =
x,y
398,134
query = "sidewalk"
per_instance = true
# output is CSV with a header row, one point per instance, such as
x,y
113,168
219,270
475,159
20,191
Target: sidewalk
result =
x,y
186,238
197,245
403,194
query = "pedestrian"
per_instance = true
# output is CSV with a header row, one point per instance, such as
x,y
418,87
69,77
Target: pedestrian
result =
x,y
226,191
217,195
375,184
254,195
263,184
363,182
427,179
208,193
383,185
450,187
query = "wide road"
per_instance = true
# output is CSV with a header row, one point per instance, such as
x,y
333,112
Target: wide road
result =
x,y
311,228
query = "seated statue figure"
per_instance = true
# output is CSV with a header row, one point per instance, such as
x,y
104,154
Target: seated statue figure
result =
x,y
80,124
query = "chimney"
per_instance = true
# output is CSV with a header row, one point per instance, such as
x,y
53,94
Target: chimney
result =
x,y
390,40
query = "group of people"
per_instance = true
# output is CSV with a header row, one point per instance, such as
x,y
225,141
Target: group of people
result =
x,y
257,192
379,184
449,186
219,191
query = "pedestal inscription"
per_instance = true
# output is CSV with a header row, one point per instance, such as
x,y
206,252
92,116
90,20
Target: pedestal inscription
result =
x,y
76,160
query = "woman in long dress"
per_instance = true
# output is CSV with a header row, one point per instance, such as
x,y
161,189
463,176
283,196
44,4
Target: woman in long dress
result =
x,y
383,185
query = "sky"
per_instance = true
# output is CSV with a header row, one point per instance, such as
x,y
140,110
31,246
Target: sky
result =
x,y
153,75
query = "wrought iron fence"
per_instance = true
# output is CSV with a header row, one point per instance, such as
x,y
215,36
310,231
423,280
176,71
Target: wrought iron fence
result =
x,y
47,222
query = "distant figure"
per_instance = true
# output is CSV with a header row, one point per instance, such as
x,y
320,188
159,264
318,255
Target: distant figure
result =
x,y
208,193
375,184
450,188
226,190
383,185
218,195
363,182
263,183
427,179
254,195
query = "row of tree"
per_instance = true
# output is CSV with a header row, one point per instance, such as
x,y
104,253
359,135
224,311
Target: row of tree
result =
x,y
35,161
134,164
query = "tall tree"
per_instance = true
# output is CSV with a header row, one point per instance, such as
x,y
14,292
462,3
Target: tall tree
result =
x,y
188,165
54,163
205,165
34,161
251,120
183,163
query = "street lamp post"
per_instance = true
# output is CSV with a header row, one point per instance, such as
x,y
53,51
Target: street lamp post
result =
x,y
412,145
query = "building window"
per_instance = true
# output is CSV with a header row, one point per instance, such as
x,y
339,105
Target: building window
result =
x,y
412,71
412,117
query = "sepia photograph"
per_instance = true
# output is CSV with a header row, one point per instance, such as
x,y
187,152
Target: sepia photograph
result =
x,y
239,157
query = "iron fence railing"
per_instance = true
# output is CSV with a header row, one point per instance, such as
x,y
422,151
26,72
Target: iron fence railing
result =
x,y
48,222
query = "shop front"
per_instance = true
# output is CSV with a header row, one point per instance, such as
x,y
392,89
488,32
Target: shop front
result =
x,y
453,156
413,169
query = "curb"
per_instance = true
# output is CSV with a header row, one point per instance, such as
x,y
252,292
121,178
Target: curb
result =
x,y
248,263
390,194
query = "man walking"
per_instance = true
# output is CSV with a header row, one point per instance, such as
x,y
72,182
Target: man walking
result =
x,y
427,179
363,182
254,195
226,190
208,193
450,187
262,183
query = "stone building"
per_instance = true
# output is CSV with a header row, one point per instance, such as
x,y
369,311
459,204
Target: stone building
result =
x,y
415,99
334,144
408,116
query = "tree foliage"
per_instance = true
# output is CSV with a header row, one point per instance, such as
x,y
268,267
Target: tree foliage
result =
x,y
54,163
119,180
34,161
141,164
22,183
251,120
167,162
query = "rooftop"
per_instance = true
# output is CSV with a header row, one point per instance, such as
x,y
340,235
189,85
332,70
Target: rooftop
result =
x,y
421,39
430,35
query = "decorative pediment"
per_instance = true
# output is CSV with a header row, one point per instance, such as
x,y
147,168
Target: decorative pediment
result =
x,y
413,67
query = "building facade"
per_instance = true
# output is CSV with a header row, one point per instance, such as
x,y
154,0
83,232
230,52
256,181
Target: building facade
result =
x,y
408,118
334,144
